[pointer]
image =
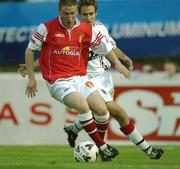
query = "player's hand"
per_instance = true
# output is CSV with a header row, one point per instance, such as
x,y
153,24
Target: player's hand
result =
x,y
129,62
122,69
22,70
31,88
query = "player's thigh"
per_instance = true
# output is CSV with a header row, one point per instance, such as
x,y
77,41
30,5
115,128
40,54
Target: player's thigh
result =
x,y
75,100
96,103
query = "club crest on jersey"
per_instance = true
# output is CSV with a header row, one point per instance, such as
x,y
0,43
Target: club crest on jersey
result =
x,y
81,36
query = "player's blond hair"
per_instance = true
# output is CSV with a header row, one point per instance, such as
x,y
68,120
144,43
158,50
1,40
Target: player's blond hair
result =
x,y
67,3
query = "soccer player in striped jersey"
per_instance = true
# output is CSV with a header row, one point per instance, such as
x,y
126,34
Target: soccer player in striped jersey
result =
x,y
64,43
99,75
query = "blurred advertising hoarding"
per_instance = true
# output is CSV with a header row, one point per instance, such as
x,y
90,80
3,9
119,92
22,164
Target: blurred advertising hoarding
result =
x,y
154,106
141,28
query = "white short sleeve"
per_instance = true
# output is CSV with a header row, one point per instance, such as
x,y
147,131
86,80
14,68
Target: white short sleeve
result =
x,y
38,38
105,32
99,43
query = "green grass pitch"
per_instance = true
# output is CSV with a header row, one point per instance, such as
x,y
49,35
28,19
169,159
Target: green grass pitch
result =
x,y
61,157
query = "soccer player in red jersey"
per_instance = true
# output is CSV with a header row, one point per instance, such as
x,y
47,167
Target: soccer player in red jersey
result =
x,y
64,43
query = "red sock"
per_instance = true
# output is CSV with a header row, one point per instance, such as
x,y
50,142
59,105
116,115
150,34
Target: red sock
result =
x,y
89,126
128,128
102,124
102,128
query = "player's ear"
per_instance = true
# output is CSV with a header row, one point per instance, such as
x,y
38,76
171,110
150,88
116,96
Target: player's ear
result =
x,y
96,13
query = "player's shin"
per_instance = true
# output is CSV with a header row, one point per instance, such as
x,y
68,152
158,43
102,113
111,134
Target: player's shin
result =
x,y
89,126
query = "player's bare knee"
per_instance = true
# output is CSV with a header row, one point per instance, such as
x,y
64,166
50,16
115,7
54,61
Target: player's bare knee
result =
x,y
101,113
100,110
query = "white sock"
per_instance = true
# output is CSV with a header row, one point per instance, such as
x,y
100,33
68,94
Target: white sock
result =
x,y
103,147
77,127
138,140
102,118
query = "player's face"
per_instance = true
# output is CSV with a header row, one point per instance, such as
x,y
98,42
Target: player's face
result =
x,y
88,14
68,16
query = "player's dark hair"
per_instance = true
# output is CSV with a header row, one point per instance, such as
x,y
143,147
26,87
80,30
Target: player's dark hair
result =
x,y
67,3
86,3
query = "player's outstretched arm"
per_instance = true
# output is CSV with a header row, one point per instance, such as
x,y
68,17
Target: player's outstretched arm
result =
x,y
31,84
120,54
118,65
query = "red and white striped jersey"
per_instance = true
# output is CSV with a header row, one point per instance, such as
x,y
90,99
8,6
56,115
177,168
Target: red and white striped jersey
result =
x,y
64,52
98,63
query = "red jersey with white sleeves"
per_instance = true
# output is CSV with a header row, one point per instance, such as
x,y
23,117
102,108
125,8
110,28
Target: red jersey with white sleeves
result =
x,y
64,52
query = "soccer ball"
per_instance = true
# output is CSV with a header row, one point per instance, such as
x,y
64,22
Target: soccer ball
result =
x,y
86,151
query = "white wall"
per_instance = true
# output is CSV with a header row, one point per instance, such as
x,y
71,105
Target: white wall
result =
x,y
153,101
